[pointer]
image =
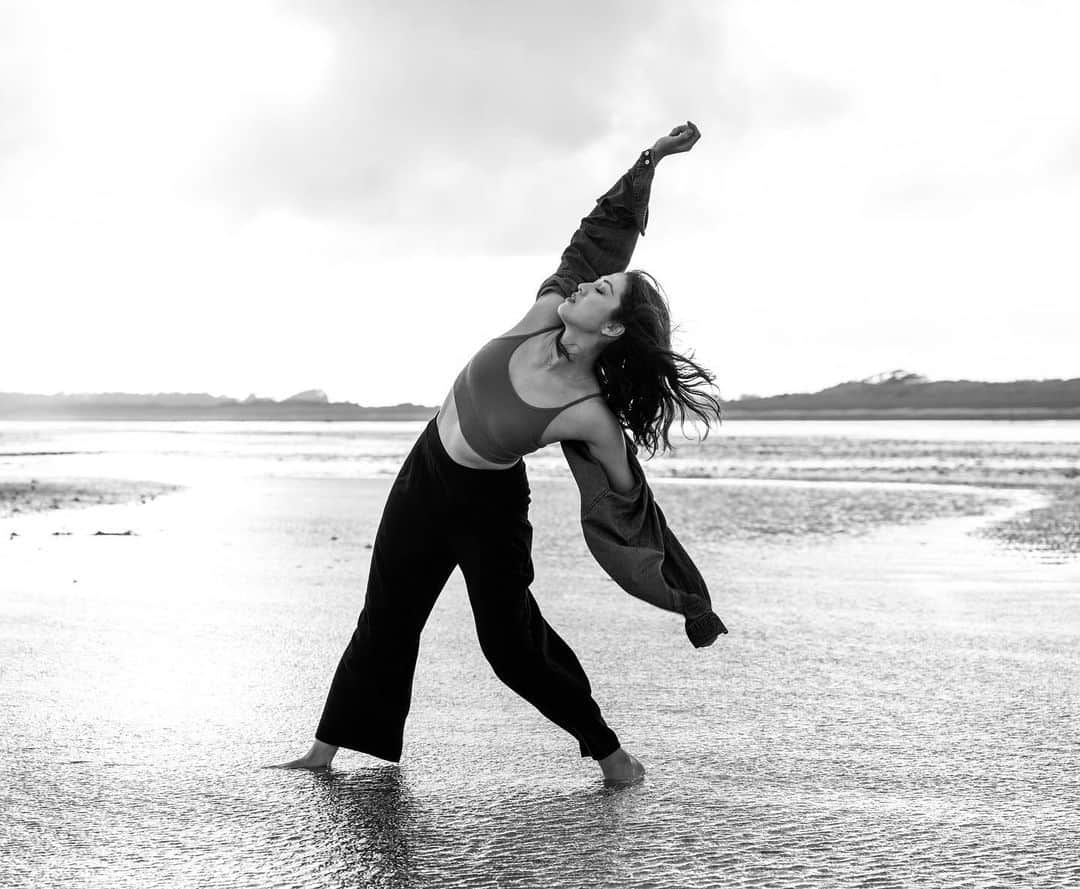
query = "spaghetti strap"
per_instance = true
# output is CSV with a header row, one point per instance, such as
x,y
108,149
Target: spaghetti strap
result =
x,y
496,421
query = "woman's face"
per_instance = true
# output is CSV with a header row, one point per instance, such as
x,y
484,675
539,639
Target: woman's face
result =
x,y
591,306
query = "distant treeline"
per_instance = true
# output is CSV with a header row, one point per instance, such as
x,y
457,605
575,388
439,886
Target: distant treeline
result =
x,y
895,398
1056,394
1021,399
195,406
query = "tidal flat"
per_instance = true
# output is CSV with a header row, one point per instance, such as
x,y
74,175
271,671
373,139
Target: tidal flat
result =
x,y
894,704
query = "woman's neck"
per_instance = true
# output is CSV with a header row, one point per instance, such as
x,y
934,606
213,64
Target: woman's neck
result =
x,y
573,354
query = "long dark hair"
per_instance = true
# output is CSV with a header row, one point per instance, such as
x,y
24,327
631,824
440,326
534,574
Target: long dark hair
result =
x,y
643,381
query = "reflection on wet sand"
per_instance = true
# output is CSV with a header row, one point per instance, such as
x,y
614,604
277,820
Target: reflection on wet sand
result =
x,y
381,832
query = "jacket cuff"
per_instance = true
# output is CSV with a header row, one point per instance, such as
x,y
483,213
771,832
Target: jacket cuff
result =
x,y
628,199
641,178
703,630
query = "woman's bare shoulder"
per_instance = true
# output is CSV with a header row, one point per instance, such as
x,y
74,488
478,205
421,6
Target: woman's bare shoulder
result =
x,y
602,432
592,420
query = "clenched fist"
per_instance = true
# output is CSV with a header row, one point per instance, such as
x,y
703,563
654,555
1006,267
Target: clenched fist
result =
x,y
680,139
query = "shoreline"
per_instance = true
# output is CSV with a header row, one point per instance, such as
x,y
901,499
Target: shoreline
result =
x,y
320,413
901,413
1052,528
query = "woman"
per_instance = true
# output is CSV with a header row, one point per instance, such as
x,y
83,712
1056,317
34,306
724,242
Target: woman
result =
x,y
591,357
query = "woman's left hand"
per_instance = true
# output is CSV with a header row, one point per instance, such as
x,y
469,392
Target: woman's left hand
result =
x,y
680,139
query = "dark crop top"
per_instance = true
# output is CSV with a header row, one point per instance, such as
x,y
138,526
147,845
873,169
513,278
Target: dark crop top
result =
x,y
495,421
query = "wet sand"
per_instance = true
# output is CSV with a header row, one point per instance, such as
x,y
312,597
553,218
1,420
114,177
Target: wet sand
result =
x,y
34,495
893,705
1052,527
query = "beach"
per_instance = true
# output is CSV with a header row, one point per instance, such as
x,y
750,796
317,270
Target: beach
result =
x,y
894,704
33,496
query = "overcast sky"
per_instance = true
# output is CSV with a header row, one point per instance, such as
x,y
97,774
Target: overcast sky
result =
x,y
264,197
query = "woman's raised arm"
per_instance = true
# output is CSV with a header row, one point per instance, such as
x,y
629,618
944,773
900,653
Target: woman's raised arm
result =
x,y
605,240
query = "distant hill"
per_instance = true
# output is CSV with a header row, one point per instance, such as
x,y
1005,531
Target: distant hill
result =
x,y
311,396
894,395
310,405
899,394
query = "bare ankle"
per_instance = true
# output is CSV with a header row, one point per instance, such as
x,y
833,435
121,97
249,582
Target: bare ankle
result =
x,y
622,767
322,752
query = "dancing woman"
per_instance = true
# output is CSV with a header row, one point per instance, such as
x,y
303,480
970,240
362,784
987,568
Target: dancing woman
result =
x,y
590,358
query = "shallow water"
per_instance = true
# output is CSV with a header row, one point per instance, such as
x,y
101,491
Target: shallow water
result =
x,y
885,450
896,702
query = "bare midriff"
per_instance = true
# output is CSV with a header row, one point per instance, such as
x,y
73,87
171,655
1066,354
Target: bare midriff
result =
x,y
565,424
454,441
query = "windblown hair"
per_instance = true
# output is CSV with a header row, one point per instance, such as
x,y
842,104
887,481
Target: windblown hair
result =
x,y
643,381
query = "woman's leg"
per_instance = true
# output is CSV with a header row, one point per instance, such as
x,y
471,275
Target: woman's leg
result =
x,y
493,546
411,560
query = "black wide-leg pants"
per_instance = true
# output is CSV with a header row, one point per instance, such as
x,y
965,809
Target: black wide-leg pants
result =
x,y
438,515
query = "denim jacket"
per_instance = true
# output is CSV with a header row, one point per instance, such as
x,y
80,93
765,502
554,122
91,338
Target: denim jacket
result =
x,y
627,532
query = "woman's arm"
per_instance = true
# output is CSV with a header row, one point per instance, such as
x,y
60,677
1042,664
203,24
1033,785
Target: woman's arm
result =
x,y
607,444
605,241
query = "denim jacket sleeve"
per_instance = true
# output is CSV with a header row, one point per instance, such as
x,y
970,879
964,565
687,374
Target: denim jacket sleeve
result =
x,y
605,241
628,535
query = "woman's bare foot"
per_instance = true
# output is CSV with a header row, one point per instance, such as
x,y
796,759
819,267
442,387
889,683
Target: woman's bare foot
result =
x,y
622,768
318,757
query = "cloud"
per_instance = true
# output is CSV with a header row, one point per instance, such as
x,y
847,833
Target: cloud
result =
x,y
19,127
453,122
1067,162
